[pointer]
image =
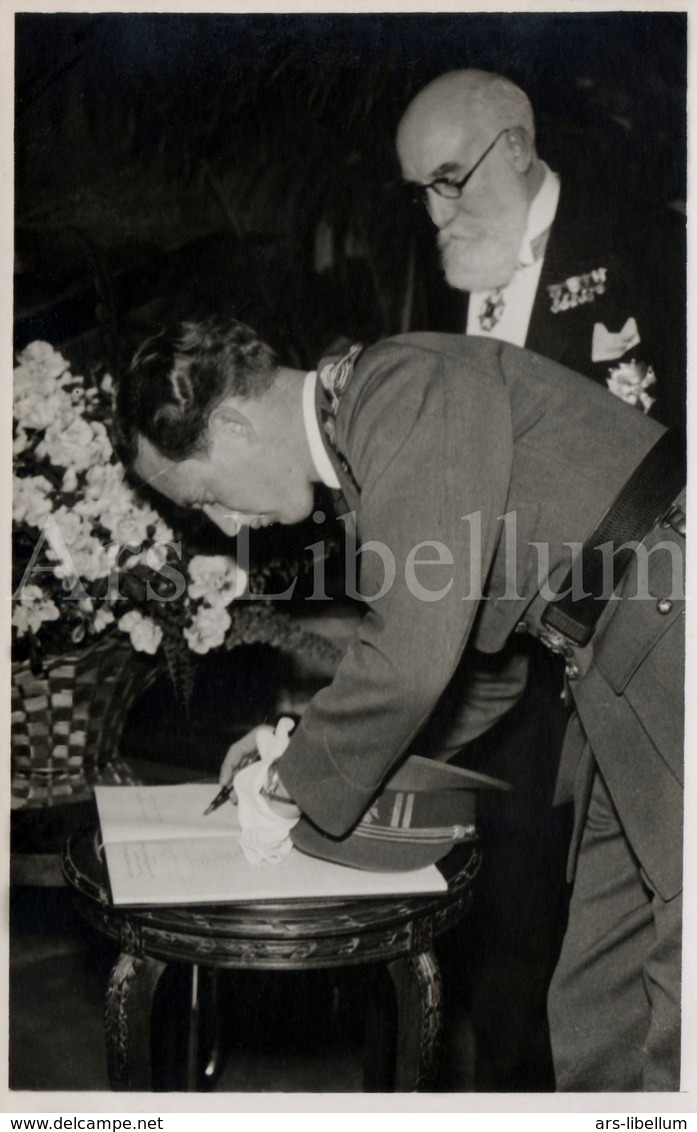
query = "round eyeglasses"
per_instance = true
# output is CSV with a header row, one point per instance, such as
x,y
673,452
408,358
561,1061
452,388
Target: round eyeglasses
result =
x,y
451,190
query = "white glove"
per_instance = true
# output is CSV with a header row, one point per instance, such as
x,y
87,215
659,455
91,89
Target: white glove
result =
x,y
265,834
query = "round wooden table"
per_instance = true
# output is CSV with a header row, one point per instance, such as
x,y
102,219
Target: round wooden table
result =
x,y
270,935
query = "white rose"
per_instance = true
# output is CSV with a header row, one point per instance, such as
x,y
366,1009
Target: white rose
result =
x,y
145,635
32,609
102,618
216,578
101,448
87,555
30,502
38,393
90,560
71,526
80,444
207,630
42,408
131,528
42,362
110,500
68,447
103,486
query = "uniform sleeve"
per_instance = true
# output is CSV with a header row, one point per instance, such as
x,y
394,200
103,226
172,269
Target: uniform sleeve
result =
x,y
428,444
493,685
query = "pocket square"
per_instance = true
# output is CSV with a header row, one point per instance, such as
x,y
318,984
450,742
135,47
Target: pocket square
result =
x,y
607,347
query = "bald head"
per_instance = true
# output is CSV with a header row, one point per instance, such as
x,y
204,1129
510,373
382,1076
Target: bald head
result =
x,y
469,137
478,103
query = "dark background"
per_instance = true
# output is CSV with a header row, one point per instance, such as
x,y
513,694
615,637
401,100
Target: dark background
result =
x,y
248,159
169,162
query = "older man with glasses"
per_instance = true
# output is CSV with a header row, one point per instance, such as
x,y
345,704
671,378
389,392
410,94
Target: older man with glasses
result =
x,y
595,283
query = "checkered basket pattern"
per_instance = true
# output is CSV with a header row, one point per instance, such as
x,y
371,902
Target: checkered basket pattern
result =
x,y
68,720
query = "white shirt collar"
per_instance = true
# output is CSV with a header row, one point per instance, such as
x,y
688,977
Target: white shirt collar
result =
x,y
543,208
323,464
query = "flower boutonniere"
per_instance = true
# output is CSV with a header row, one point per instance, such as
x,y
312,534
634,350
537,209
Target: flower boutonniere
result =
x,y
630,380
577,289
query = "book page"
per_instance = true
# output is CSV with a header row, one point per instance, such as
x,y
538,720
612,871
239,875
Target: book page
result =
x,y
160,849
216,870
146,813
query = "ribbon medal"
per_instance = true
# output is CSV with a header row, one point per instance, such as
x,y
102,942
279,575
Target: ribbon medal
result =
x,y
577,289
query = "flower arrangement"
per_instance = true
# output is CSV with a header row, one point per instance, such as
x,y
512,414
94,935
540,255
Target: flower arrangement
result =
x,y
92,556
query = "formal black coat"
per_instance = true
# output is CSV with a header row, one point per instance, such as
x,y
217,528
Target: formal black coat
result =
x,y
643,251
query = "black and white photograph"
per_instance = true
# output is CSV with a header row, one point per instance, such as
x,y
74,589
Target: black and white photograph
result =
x,y
346,631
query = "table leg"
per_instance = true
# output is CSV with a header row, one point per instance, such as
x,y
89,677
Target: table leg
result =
x,y
419,993
129,998
203,1053
380,1034
192,1042
211,1031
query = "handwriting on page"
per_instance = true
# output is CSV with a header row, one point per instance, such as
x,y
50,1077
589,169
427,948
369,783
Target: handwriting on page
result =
x,y
166,860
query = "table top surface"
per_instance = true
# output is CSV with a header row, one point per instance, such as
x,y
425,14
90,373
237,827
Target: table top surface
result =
x,y
85,870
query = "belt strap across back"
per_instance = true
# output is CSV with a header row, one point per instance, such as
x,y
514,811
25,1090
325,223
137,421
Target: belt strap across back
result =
x,y
645,497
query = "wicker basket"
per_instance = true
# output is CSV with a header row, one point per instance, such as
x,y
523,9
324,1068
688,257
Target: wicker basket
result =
x,y
68,720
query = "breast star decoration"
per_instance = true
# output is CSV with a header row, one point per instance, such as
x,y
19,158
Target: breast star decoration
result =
x,y
630,380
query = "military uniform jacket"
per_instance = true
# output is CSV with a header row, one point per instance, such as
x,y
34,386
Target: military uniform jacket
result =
x,y
450,450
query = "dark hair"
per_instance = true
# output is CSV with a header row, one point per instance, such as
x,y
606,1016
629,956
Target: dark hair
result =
x,y
177,377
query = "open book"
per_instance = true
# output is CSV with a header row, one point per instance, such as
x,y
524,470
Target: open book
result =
x,y
160,849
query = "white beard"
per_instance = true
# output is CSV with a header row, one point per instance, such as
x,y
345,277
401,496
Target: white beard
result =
x,y
479,262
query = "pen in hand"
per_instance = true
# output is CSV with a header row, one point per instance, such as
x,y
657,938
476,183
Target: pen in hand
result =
x,y
221,798
228,792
